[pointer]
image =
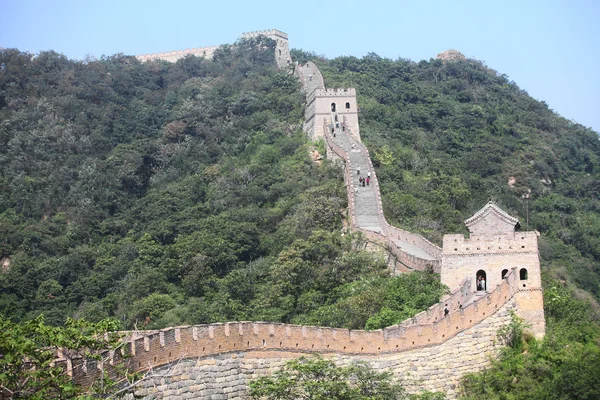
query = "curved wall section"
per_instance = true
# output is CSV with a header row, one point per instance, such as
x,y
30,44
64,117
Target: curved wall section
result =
x,y
429,351
272,342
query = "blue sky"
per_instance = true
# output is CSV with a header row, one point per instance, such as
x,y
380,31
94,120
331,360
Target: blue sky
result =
x,y
549,48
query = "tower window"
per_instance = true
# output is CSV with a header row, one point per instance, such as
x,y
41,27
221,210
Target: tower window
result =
x,y
523,274
347,106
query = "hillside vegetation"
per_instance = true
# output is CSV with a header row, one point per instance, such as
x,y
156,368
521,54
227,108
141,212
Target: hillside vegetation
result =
x,y
164,194
447,137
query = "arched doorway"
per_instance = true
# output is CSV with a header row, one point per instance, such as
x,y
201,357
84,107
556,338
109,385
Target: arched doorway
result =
x,y
347,106
333,107
504,273
481,280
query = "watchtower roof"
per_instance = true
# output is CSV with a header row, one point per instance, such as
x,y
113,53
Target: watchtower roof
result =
x,y
491,211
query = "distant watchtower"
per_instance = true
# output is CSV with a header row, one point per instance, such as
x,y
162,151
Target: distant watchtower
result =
x,y
282,50
493,249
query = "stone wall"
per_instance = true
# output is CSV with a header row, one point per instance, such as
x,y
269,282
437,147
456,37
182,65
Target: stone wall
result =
x,y
203,361
428,351
173,56
282,51
386,238
433,368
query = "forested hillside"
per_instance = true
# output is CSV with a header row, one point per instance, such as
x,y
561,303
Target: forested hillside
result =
x,y
449,136
165,194
162,194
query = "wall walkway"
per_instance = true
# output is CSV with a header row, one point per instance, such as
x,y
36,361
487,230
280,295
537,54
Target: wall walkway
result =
x,y
364,203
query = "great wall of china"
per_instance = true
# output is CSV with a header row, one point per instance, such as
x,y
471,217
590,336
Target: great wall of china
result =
x,y
426,352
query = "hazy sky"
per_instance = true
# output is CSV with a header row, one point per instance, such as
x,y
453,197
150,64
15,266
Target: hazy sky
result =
x,y
549,48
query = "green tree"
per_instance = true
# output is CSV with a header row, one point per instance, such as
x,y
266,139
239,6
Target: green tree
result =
x,y
29,349
321,379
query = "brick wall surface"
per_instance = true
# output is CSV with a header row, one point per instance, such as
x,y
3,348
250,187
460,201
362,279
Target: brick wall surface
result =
x,y
423,351
439,367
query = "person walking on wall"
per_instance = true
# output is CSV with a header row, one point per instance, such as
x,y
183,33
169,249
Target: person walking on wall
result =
x,y
446,311
368,180
357,170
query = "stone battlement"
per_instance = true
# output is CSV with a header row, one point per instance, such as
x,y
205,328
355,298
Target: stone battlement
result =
x,y
173,56
268,33
336,92
149,350
518,242
330,93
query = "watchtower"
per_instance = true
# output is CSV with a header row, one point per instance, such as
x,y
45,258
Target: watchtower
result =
x,y
333,106
495,248
282,50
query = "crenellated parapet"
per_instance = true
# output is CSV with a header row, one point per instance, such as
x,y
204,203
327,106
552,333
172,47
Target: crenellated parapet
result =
x,y
267,33
172,56
428,329
514,243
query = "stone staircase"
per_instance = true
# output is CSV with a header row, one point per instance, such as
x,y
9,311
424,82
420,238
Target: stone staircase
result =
x,y
310,76
366,202
411,251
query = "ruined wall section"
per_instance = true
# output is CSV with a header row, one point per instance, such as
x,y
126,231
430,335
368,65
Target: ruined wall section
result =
x,y
282,51
172,56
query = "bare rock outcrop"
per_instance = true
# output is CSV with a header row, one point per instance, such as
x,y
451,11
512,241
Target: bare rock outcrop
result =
x,y
451,55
